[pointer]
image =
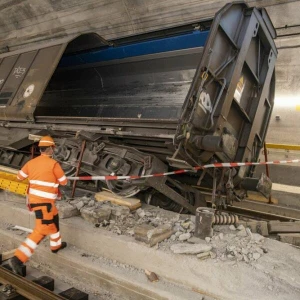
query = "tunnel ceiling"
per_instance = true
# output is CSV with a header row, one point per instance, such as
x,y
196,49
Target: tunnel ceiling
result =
x,y
23,22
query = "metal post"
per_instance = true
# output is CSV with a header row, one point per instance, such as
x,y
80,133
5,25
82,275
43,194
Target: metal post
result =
x,y
78,166
267,168
204,221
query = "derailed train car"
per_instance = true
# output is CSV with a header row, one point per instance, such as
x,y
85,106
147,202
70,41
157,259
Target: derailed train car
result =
x,y
167,100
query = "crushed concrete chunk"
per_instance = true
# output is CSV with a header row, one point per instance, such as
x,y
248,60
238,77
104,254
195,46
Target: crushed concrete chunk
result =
x,y
141,213
67,210
207,239
117,211
242,232
97,215
91,203
249,233
151,235
185,225
184,236
256,255
204,255
190,248
257,237
232,227
79,205
195,240
173,237
178,233
240,227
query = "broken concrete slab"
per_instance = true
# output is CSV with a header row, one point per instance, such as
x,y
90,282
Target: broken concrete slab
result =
x,y
195,240
190,248
117,211
95,215
66,210
151,235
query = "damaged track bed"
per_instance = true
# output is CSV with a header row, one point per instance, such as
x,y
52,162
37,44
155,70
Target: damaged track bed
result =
x,y
255,209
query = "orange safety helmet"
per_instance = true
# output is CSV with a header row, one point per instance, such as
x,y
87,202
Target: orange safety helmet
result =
x,y
46,141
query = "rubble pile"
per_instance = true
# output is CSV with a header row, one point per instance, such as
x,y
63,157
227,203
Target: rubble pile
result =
x,y
169,231
240,244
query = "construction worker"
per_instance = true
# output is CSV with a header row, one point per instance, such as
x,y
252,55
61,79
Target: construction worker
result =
x,y
44,175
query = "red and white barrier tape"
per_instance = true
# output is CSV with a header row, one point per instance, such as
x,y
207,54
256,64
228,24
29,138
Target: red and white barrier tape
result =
x,y
216,165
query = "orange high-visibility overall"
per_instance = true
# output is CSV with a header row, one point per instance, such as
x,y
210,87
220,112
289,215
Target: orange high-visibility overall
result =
x,y
44,174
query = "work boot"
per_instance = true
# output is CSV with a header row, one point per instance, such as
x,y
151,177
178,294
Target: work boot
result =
x,y
16,265
63,245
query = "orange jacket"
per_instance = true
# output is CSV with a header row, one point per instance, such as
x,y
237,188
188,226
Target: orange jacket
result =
x,y
45,175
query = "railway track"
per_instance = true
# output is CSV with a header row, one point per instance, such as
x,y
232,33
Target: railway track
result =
x,y
17,287
258,215
254,209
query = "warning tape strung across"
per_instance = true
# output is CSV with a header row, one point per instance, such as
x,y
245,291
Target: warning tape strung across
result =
x,y
216,165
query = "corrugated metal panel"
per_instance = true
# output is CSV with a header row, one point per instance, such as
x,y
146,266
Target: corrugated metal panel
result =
x,y
24,75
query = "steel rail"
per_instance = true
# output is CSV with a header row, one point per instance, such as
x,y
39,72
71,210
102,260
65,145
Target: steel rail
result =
x,y
266,209
256,214
25,287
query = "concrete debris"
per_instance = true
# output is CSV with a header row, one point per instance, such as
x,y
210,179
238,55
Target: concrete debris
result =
x,y
173,237
184,237
130,232
240,227
141,213
232,227
66,210
185,225
190,248
257,237
175,232
151,235
79,205
95,216
249,233
256,255
91,203
151,276
204,255
242,232
195,240
207,239
117,211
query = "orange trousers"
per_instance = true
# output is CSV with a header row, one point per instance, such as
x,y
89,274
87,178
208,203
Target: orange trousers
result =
x,y
46,223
